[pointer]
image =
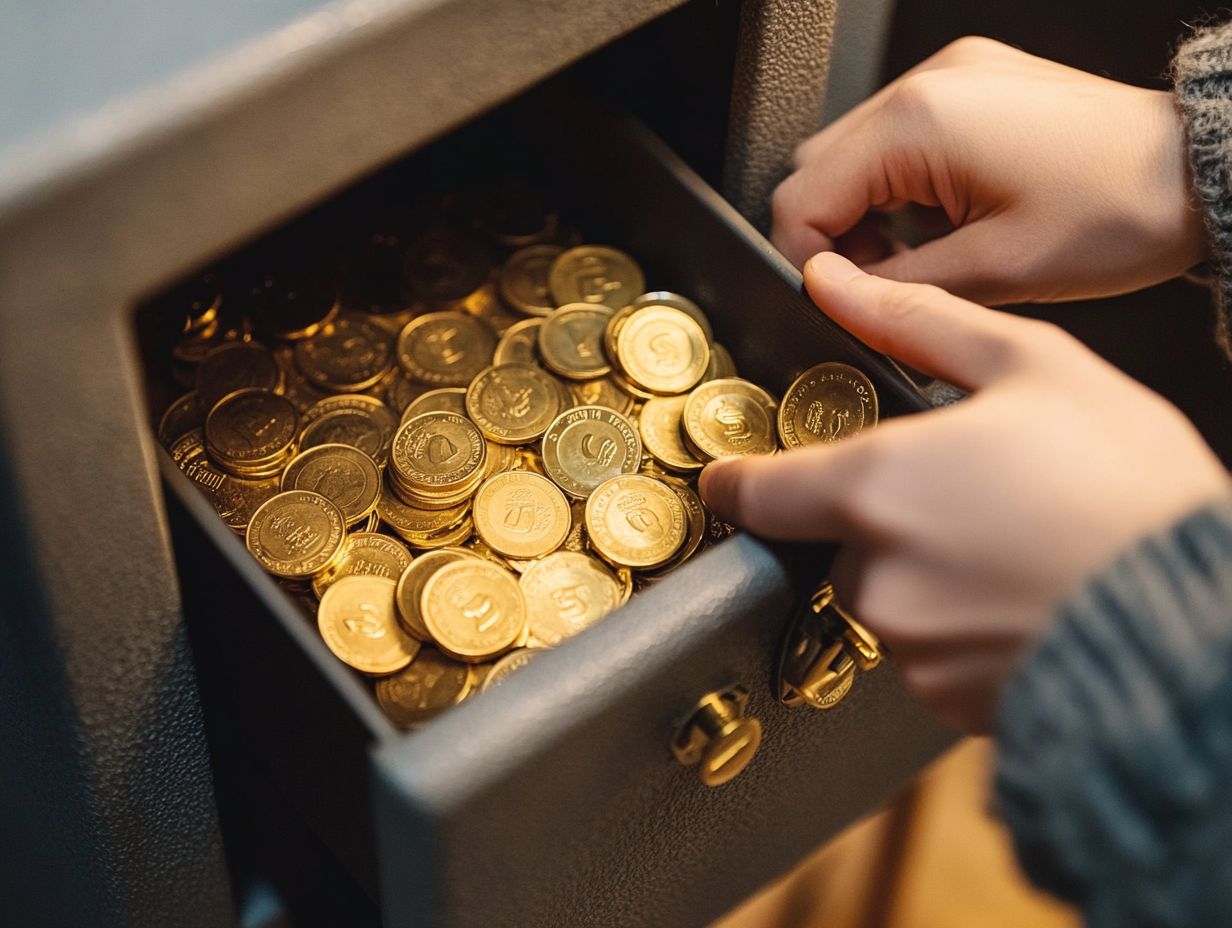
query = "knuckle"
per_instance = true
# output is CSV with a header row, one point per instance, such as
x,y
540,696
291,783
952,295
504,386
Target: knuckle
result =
x,y
782,198
971,49
920,96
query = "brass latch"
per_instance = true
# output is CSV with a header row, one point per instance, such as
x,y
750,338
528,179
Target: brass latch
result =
x,y
718,736
821,653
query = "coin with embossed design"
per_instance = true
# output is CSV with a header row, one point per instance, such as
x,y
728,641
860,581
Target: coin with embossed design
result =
x,y
296,534
342,474
524,279
565,594
353,419
445,349
513,404
365,554
252,432
827,403
571,341
729,417
181,417
424,689
635,521
473,609
346,355
438,451
662,350
587,445
595,274
409,594
356,619
521,515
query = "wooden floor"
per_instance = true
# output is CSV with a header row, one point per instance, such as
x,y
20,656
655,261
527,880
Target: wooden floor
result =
x,y
933,859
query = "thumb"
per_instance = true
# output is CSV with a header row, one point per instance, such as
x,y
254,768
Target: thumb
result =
x,y
919,324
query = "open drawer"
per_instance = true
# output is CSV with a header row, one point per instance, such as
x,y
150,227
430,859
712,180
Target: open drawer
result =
x,y
556,799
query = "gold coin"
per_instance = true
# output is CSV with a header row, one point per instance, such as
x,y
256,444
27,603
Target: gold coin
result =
x,y
353,419
588,445
409,593
442,399
299,391
342,474
729,417
473,610
428,686
659,425
519,344
571,341
181,417
635,521
412,522
510,663
235,366
347,355
356,619
524,279
296,534
662,350
565,594
368,554
445,349
438,451
602,391
676,301
233,498
445,265
695,523
827,403
521,515
252,432
446,538
595,274
513,404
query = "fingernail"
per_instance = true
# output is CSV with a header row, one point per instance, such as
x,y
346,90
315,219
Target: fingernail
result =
x,y
830,266
718,483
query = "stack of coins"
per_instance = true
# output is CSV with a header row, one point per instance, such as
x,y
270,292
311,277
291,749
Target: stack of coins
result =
x,y
456,486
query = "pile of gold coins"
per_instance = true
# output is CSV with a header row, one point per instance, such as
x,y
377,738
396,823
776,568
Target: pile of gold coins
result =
x,y
488,469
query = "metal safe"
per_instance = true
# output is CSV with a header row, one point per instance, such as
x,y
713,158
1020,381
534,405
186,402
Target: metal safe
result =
x,y
171,728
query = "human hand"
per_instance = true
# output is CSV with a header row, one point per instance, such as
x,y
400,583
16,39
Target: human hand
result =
x,y
963,529
1060,185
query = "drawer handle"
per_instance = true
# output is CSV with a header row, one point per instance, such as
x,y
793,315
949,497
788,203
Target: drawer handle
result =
x,y
822,652
718,736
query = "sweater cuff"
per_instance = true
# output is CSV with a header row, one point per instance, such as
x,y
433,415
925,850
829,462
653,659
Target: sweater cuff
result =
x,y
1202,76
1116,736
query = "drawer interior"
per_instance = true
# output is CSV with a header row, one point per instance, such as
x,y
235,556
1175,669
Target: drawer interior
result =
x,y
555,799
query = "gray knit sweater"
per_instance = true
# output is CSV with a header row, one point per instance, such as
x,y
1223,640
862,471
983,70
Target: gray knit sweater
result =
x,y
1115,761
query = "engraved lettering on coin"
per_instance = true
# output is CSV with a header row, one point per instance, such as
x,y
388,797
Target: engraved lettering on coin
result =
x,y
595,274
635,521
729,417
827,403
473,609
521,515
587,445
446,348
340,473
296,534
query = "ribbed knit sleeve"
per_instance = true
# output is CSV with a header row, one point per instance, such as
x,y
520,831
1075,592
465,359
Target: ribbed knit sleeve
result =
x,y
1202,76
1115,763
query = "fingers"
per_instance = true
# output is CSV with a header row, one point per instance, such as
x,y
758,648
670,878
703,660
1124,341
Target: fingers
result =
x,y
797,496
918,324
969,262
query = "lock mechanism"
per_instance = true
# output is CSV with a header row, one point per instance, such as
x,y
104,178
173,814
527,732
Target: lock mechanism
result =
x,y
822,652
718,736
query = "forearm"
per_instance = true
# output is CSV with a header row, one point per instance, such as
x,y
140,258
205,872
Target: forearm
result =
x,y
1116,737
